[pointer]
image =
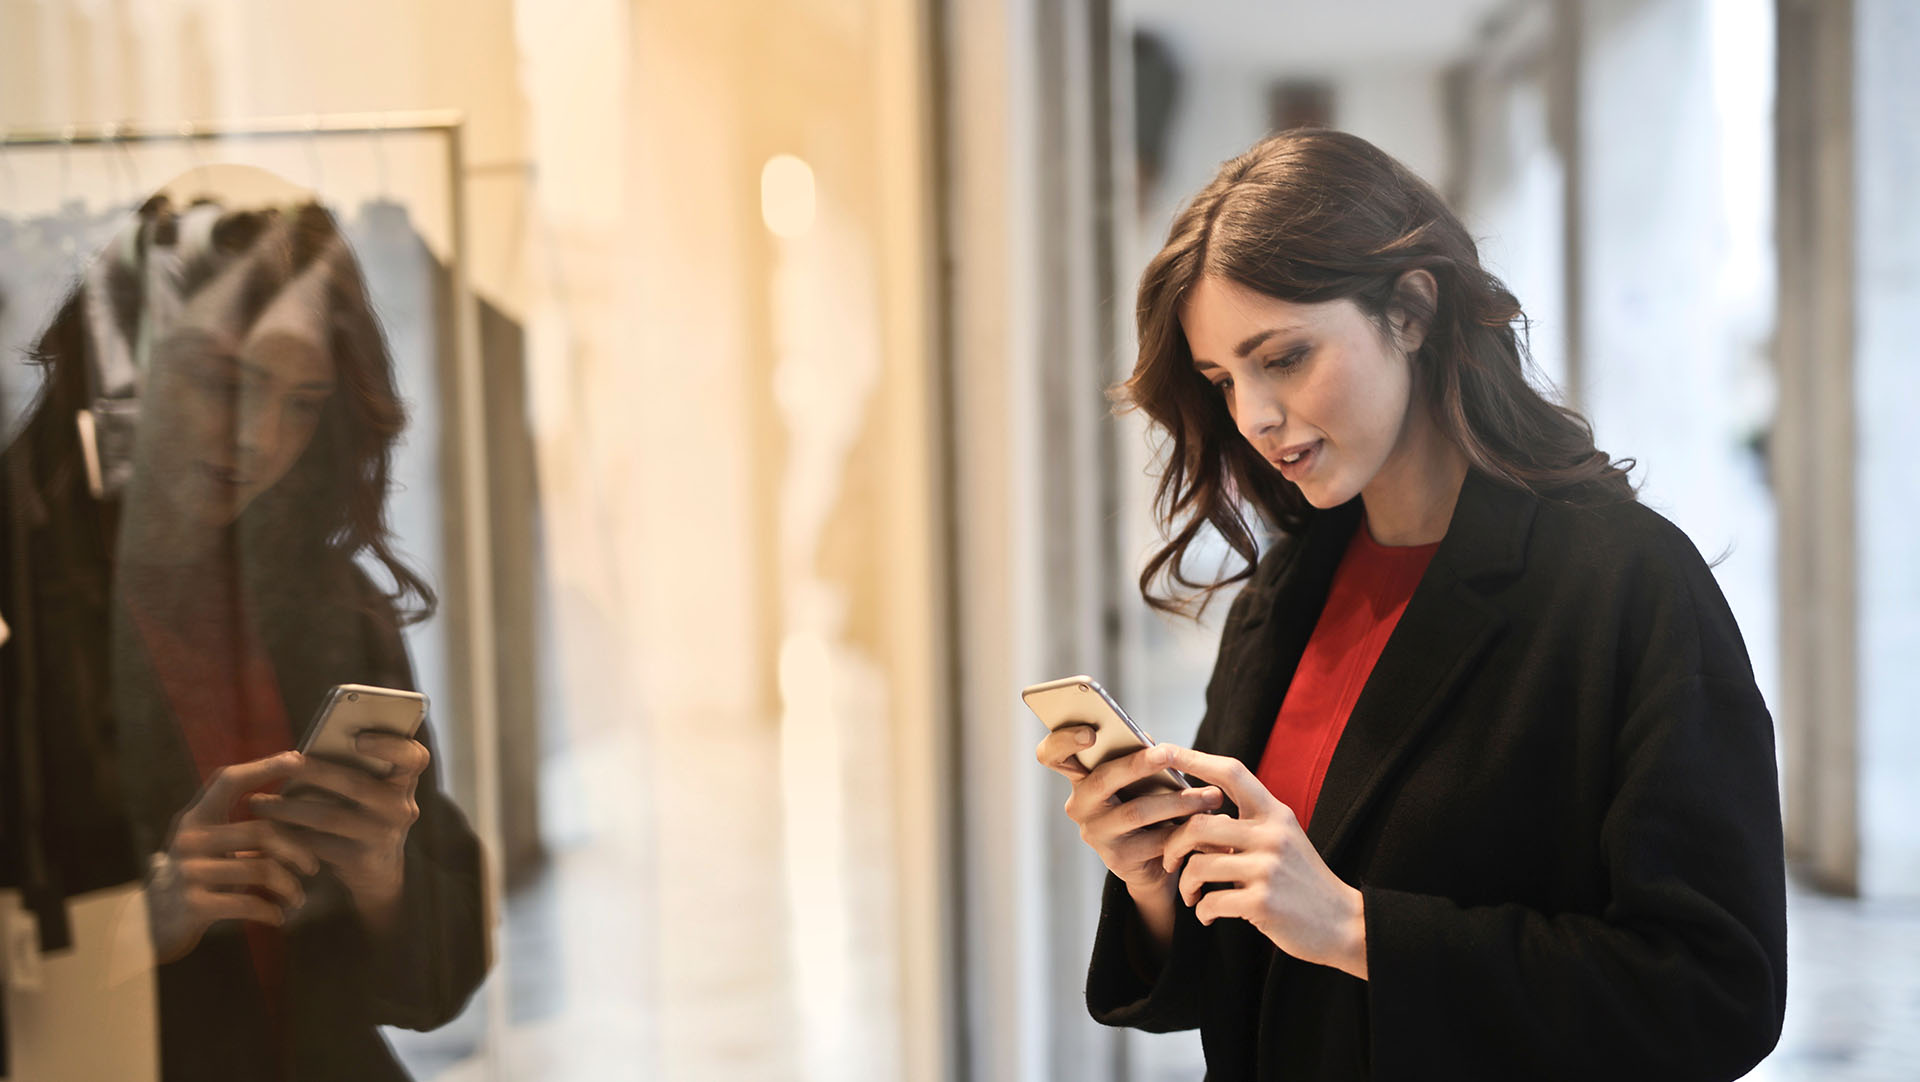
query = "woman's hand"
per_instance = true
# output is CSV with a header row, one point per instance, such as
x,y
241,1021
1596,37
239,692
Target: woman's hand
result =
x,y
215,869
355,822
1272,876
1129,835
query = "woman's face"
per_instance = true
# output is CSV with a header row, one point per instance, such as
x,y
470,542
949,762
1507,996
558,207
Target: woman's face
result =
x,y
1317,389
226,412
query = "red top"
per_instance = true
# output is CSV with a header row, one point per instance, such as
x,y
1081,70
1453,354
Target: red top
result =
x,y
1370,590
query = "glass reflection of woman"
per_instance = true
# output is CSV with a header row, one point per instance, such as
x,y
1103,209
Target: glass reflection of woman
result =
x,y
295,904
1484,787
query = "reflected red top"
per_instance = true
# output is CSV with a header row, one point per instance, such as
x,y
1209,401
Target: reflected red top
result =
x,y
1370,590
220,683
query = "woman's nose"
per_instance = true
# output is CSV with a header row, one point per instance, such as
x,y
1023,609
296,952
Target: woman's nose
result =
x,y
1259,415
258,430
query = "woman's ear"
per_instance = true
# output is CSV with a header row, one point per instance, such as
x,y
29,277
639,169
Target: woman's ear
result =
x,y
1416,296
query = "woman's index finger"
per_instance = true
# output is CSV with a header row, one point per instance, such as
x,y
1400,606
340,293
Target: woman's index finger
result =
x,y
1117,773
1229,773
228,784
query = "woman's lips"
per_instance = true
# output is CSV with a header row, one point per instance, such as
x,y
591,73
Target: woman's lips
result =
x,y
1299,467
222,476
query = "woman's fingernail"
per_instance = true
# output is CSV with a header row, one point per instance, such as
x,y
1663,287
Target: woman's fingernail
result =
x,y
1083,737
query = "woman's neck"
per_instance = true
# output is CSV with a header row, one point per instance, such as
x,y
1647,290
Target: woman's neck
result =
x,y
1410,501
155,533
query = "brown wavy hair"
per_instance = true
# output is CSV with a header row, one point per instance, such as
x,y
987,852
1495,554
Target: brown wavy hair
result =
x,y
1314,215
330,508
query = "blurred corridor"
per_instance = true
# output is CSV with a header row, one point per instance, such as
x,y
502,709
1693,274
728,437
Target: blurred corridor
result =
x,y
757,450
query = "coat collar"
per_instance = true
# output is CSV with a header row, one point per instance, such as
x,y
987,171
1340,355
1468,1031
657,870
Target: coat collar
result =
x,y
1447,626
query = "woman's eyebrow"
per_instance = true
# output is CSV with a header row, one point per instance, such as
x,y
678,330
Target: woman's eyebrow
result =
x,y
265,374
1253,341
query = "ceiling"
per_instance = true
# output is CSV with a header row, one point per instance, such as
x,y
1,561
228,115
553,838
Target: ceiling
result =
x,y
1306,36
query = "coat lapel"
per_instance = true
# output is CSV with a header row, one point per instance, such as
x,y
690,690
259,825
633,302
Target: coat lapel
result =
x,y
1446,628
1271,638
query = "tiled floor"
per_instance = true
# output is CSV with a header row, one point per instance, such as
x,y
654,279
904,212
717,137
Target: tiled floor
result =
x,y
650,953
1853,999
601,989
1853,992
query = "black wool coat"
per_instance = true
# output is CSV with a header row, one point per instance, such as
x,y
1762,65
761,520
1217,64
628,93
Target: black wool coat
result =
x,y
1557,794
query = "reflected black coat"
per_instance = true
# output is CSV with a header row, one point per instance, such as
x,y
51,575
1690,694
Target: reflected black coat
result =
x,y
1557,794
338,985
97,769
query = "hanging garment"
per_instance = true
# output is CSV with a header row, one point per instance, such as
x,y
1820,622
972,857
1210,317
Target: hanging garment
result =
x,y
40,258
412,290
133,298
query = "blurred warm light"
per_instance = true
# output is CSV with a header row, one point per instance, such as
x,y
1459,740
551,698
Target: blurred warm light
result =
x,y
786,195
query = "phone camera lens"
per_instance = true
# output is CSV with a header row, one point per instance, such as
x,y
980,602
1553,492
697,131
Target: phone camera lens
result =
x,y
354,698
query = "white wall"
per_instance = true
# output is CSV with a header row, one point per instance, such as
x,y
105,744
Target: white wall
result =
x,y
1887,400
1399,109
1671,353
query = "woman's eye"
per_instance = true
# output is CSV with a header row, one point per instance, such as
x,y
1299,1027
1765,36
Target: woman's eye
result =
x,y
1224,386
1287,361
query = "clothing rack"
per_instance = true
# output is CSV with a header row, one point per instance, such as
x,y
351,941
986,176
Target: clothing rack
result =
x,y
473,540
448,121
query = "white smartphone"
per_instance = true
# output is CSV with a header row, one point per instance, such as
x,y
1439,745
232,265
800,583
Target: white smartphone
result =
x,y
1080,700
352,709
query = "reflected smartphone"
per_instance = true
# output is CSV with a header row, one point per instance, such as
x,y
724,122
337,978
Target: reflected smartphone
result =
x,y
351,709
1080,700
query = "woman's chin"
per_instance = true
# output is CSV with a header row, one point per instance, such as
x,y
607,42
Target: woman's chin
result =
x,y
1324,497
210,513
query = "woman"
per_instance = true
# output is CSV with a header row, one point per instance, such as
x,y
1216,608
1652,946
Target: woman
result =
x,y
186,583
1484,788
